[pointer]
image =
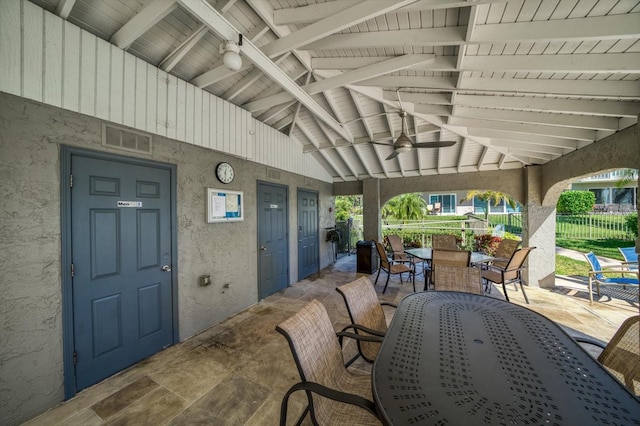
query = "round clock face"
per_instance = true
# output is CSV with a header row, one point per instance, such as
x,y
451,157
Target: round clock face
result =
x,y
225,173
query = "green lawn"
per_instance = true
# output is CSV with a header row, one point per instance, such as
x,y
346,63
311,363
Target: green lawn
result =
x,y
605,248
568,266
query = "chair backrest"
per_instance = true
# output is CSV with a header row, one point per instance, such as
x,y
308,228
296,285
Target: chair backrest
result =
x,y
450,257
458,278
458,258
594,263
364,309
315,347
621,356
629,254
516,261
506,248
444,241
396,243
382,254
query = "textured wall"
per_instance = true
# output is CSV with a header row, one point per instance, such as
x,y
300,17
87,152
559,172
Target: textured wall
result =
x,y
30,288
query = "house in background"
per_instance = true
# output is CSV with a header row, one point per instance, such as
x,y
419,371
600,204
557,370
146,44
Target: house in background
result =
x,y
455,203
609,197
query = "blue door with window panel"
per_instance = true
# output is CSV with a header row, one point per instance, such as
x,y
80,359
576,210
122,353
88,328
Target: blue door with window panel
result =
x,y
121,243
447,202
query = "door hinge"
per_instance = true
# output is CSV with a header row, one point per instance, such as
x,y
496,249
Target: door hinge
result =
x,y
73,270
70,181
75,358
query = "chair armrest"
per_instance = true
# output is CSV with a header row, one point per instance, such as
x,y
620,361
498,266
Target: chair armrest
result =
x,y
343,334
363,328
611,271
393,305
334,394
590,341
627,264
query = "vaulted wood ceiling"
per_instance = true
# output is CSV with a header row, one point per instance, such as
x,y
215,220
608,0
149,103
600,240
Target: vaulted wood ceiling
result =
x,y
514,82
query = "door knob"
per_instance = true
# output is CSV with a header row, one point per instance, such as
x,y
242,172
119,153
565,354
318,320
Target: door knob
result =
x,y
262,248
166,268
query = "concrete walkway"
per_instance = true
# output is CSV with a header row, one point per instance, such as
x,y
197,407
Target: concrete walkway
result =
x,y
578,255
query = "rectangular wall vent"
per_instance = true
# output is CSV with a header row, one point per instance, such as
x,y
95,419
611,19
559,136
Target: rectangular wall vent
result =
x,y
126,139
273,174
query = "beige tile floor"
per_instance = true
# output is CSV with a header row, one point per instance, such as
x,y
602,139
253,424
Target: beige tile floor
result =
x,y
236,373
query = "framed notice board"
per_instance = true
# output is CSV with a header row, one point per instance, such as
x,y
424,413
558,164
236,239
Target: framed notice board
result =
x,y
224,205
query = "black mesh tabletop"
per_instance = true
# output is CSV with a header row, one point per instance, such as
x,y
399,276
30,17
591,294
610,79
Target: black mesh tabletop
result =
x,y
462,359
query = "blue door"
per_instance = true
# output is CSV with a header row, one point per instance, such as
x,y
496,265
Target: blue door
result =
x,y
121,251
273,253
308,252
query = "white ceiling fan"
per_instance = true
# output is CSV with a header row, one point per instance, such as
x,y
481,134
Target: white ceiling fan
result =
x,y
405,144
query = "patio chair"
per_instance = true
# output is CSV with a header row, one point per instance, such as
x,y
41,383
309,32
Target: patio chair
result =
x,y
366,314
510,273
392,268
621,356
397,247
598,274
436,208
459,278
444,241
439,258
335,395
630,258
504,251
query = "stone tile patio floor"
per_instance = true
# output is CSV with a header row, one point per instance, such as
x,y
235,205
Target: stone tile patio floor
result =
x,y
235,373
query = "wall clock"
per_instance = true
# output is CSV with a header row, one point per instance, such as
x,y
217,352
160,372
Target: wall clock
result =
x,y
225,173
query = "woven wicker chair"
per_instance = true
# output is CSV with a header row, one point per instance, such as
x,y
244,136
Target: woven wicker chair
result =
x,y
444,242
335,395
511,273
459,258
367,316
621,356
392,268
459,278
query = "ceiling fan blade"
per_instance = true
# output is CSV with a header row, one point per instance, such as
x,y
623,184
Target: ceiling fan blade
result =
x,y
393,155
436,144
381,143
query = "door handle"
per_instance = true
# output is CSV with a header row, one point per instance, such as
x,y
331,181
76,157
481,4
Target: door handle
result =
x,y
166,268
262,248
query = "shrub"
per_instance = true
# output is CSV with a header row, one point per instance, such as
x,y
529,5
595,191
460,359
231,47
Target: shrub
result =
x,y
576,202
632,223
486,243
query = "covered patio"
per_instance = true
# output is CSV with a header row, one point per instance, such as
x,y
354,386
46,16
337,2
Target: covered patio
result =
x,y
235,373
119,117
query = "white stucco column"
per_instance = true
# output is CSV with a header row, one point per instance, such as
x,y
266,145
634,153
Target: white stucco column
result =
x,y
538,230
371,217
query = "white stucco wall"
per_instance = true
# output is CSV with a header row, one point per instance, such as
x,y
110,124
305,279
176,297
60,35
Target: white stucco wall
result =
x,y
31,135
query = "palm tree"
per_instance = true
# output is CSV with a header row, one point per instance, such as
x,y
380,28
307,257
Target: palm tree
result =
x,y
490,196
405,207
628,176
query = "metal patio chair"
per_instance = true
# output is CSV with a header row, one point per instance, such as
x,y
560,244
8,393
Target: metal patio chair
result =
x,y
511,273
630,258
392,268
439,258
621,356
335,395
444,241
459,278
598,275
366,314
